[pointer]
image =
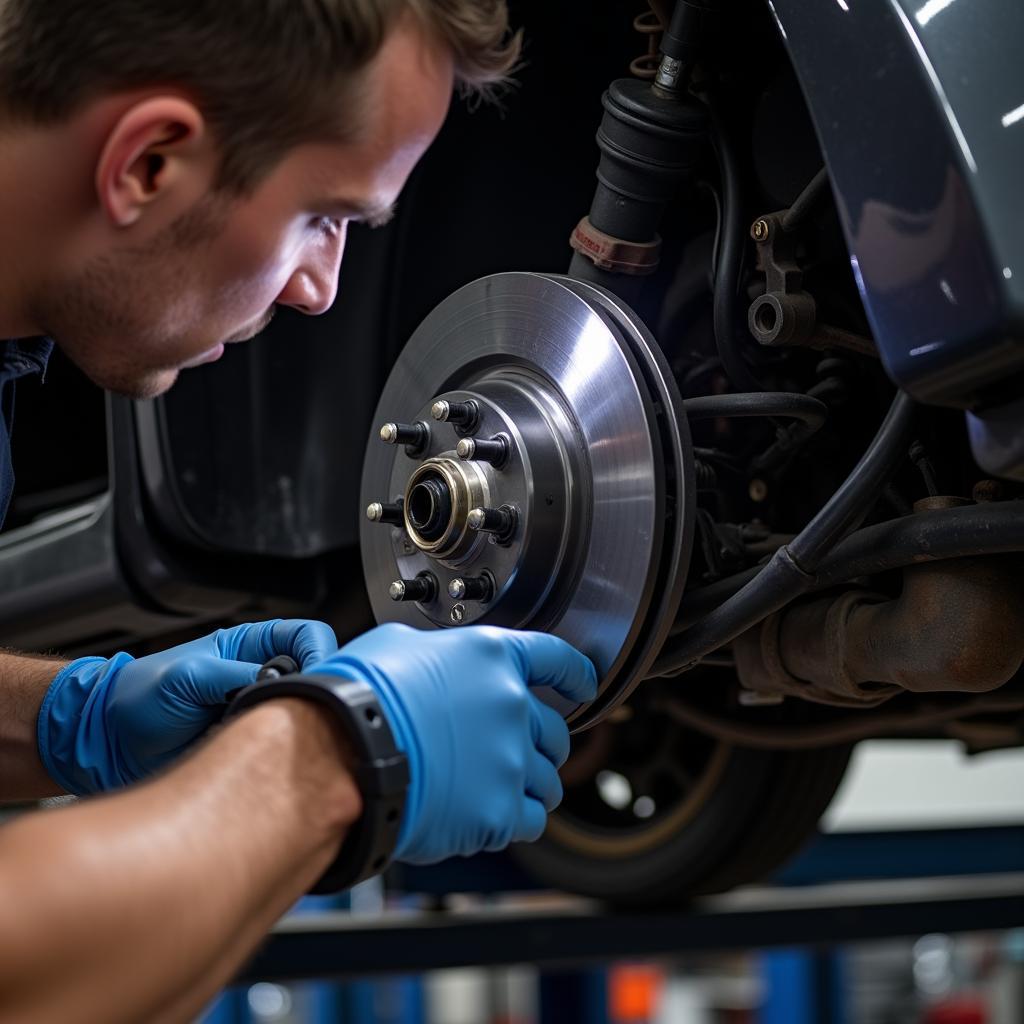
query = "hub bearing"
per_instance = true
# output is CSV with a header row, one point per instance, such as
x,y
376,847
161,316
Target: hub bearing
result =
x,y
549,484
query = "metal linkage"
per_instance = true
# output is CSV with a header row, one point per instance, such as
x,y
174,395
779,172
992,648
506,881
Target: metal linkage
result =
x,y
786,313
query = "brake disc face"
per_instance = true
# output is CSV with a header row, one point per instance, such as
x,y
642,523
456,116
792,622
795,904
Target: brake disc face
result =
x,y
530,468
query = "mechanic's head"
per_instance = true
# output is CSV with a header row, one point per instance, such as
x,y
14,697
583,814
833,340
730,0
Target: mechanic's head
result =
x,y
175,170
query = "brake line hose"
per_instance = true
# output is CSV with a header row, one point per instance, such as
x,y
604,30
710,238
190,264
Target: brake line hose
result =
x,y
731,334
808,410
791,570
847,507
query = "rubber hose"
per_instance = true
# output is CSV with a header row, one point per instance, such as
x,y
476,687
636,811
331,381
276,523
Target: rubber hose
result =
x,y
992,528
761,403
859,491
729,264
804,203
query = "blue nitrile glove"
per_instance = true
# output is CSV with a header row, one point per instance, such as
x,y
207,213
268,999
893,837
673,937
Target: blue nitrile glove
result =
x,y
105,723
483,751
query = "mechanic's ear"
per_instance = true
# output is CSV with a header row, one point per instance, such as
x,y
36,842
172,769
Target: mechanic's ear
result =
x,y
158,153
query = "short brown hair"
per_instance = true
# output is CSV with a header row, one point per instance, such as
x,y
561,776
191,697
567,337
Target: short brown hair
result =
x,y
268,73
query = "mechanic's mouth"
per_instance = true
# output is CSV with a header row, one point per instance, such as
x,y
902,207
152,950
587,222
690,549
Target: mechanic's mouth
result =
x,y
250,332
209,356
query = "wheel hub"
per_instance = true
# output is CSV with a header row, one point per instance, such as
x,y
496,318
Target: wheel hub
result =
x,y
533,471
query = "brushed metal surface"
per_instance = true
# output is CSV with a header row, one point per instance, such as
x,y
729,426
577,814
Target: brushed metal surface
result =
x,y
538,337
678,473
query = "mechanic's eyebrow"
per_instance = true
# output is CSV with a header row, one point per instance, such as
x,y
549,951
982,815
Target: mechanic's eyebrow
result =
x,y
372,214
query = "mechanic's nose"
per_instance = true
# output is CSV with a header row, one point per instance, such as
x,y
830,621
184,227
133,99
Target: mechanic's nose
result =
x,y
314,283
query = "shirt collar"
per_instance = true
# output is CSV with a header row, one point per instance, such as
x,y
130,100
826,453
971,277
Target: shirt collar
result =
x,y
23,356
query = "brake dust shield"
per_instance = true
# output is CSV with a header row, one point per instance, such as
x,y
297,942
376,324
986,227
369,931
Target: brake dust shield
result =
x,y
530,467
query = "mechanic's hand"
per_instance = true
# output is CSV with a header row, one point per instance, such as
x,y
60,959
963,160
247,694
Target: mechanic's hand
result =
x,y
483,751
107,723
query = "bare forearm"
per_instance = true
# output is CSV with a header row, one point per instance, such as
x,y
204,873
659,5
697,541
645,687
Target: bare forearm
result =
x,y
179,878
24,680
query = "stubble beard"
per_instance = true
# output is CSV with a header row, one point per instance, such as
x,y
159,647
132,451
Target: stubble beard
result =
x,y
101,320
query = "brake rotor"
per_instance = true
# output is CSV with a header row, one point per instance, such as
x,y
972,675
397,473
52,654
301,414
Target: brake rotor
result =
x,y
530,467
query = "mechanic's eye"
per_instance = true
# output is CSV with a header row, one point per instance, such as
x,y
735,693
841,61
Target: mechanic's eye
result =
x,y
329,226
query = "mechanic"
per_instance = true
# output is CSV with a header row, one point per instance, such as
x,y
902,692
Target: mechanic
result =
x,y
170,173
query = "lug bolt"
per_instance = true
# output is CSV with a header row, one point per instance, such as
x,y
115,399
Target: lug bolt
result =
x,y
498,521
471,588
422,588
414,436
459,414
760,230
380,512
459,614
473,449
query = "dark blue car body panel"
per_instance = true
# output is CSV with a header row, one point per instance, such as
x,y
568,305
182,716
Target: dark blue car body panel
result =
x,y
919,107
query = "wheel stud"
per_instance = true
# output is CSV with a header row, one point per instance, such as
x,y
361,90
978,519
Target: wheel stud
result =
x,y
415,436
459,414
501,522
474,449
381,512
422,588
471,588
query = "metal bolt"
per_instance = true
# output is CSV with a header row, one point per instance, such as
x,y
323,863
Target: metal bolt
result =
x,y
987,490
669,72
471,588
760,230
458,613
474,449
422,588
459,414
499,521
380,512
413,435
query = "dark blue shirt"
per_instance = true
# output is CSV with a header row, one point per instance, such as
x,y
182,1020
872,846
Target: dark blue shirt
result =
x,y
17,359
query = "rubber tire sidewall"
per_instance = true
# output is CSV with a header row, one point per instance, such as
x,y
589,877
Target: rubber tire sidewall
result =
x,y
736,835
